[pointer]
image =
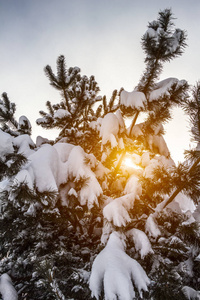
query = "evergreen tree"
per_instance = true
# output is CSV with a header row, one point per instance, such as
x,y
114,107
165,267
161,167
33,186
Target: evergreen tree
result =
x,y
103,212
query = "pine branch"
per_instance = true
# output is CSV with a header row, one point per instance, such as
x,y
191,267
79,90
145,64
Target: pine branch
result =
x,y
183,184
7,111
192,108
61,71
52,78
151,74
158,45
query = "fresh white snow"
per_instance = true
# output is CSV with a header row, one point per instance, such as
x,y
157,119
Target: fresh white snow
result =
x,y
6,145
114,270
134,99
7,290
141,242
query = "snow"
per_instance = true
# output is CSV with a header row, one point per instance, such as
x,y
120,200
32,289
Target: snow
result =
x,y
24,122
109,129
3,184
157,143
136,158
133,186
24,143
141,241
101,171
121,143
136,130
162,88
191,293
6,288
45,168
51,166
157,161
151,33
73,192
24,176
96,125
145,159
6,146
118,114
151,227
63,150
185,203
40,140
134,99
114,270
196,213
44,164
77,169
61,113
117,210
39,121
174,43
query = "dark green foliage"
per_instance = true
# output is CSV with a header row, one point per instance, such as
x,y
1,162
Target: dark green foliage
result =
x,y
11,164
192,107
79,93
160,111
157,44
176,252
7,110
8,121
40,250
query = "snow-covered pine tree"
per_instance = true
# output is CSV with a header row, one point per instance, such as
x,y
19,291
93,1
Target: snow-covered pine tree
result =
x,y
103,211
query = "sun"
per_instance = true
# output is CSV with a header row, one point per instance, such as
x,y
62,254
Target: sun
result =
x,y
129,162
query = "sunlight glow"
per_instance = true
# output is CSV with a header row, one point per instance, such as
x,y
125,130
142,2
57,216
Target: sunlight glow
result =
x,y
128,162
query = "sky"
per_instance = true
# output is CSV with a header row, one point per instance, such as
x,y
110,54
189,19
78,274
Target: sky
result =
x,y
101,37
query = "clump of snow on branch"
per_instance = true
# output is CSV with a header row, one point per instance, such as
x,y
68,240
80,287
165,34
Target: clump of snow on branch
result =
x,y
141,241
133,187
134,99
151,227
24,125
45,167
61,113
77,168
155,162
185,203
180,204
40,140
117,210
191,293
111,125
25,144
50,166
7,289
155,141
6,146
115,270
162,88
196,214
174,39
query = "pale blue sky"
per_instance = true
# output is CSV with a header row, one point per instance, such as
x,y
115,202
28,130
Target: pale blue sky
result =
x,y
101,37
